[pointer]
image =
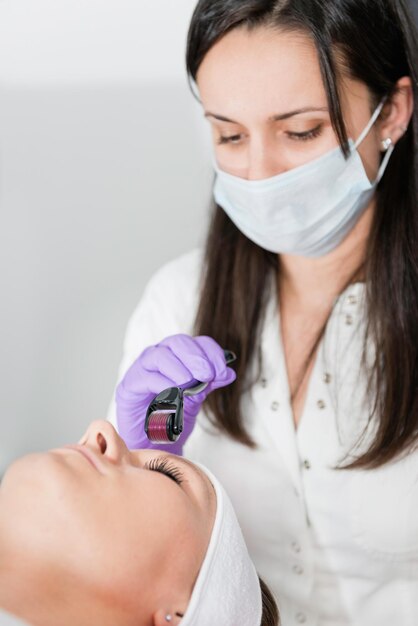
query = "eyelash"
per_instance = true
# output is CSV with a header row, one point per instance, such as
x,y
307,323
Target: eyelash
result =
x,y
306,136
230,139
163,466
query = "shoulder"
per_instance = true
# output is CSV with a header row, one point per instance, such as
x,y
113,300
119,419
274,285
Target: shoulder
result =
x,y
175,285
182,273
168,305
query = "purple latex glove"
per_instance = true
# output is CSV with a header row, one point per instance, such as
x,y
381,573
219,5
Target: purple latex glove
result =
x,y
174,362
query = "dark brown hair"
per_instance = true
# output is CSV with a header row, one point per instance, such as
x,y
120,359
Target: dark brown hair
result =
x,y
377,41
270,614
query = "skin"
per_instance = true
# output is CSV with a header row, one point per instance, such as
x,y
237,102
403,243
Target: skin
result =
x,y
90,534
252,77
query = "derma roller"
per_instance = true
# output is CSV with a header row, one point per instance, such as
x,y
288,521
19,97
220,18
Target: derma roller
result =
x,y
164,419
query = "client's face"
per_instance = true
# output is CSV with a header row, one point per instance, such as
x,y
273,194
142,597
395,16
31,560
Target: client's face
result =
x,y
129,527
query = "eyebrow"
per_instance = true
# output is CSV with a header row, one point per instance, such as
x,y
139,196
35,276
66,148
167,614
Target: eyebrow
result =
x,y
273,118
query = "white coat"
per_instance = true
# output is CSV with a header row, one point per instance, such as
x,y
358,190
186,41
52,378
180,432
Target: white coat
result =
x,y
336,547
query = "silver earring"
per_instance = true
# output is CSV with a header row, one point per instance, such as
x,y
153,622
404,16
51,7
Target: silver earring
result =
x,y
168,618
386,144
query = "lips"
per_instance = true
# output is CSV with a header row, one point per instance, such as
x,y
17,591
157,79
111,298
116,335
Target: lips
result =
x,y
88,455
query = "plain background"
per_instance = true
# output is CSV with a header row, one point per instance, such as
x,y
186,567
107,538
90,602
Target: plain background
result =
x,y
105,173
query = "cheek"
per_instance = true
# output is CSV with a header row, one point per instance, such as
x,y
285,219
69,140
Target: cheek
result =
x,y
148,517
371,155
36,499
152,541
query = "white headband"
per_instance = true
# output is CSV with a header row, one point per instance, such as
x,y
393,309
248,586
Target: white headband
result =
x,y
227,590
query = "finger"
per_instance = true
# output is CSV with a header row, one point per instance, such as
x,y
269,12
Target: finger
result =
x,y
214,353
140,386
223,381
191,354
161,359
192,404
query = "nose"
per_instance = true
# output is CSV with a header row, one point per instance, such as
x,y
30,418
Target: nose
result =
x,y
263,160
104,440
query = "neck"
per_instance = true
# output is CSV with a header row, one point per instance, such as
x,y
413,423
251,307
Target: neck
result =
x,y
13,581
315,283
45,604
19,583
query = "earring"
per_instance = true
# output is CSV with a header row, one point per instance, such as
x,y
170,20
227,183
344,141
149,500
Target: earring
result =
x,y
168,618
386,144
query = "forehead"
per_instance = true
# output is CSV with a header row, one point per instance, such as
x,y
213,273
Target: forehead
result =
x,y
263,71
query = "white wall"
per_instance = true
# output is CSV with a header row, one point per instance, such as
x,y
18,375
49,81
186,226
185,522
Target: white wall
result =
x,y
104,175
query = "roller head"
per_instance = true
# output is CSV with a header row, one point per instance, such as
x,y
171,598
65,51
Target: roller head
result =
x,y
164,418
160,427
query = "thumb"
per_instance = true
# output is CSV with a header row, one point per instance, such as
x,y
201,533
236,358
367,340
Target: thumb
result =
x,y
223,380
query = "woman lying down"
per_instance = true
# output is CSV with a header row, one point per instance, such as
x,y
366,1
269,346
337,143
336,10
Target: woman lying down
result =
x,y
96,534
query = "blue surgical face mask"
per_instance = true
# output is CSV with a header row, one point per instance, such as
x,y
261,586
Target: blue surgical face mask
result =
x,y
306,211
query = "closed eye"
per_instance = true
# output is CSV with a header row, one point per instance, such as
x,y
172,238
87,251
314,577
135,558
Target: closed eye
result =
x,y
234,139
164,466
305,136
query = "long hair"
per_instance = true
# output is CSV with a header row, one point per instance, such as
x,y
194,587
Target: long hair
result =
x,y
377,42
270,612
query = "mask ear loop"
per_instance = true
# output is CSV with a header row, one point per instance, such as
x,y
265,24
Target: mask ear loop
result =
x,y
384,163
371,122
366,131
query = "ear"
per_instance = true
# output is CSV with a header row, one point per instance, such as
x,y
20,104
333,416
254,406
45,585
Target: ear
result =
x,y
397,112
166,617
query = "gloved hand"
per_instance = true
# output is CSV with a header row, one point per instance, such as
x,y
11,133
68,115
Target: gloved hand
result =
x,y
173,362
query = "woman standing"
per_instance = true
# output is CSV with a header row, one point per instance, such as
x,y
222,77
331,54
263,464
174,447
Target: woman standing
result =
x,y
311,276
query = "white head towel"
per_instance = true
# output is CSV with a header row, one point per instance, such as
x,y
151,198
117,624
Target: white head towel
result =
x,y
227,590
